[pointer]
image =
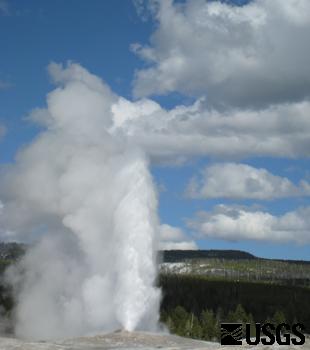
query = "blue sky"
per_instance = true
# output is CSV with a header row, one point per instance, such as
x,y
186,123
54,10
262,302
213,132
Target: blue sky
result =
x,y
238,65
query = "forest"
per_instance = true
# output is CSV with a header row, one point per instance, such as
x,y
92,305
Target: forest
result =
x,y
194,306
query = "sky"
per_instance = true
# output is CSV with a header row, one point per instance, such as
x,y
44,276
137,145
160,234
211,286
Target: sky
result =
x,y
215,93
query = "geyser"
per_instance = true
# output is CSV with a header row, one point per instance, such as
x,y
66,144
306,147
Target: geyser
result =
x,y
87,199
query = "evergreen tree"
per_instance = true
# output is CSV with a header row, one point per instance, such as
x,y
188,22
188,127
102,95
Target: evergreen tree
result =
x,y
239,315
197,332
180,319
278,317
209,325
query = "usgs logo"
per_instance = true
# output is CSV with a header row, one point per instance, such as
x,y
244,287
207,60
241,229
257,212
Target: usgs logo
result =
x,y
267,334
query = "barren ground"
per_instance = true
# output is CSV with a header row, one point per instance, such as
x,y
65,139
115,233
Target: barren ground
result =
x,y
128,341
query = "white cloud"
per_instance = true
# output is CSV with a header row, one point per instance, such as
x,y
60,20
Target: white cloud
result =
x,y
183,132
248,66
174,238
186,131
241,181
254,55
238,223
144,8
180,133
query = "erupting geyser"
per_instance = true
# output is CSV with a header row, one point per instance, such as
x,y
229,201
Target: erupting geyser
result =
x,y
87,198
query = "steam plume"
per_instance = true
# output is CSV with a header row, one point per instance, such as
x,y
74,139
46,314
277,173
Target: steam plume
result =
x,y
88,199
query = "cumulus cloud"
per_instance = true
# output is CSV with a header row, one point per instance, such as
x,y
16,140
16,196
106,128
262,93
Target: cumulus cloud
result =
x,y
145,8
251,55
247,66
234,223
174,238
186,131
241,181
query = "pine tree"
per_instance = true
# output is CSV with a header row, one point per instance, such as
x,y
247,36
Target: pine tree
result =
x,y
278,317
180,318
209,325
196,329
240,315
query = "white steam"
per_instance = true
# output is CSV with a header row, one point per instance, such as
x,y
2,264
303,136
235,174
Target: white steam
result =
x,y
88,199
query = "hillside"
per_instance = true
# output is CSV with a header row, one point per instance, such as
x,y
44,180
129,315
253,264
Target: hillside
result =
x,y
181,255
235,265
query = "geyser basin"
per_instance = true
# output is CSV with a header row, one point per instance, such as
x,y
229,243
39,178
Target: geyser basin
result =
x,y
129,341
116,340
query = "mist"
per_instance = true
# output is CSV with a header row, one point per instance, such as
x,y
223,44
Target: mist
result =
x,y
86,201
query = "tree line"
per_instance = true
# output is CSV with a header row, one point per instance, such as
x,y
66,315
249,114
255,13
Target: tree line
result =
x,y
207,326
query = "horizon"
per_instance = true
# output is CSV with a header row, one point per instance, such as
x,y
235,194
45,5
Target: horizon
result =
x,y
203,250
